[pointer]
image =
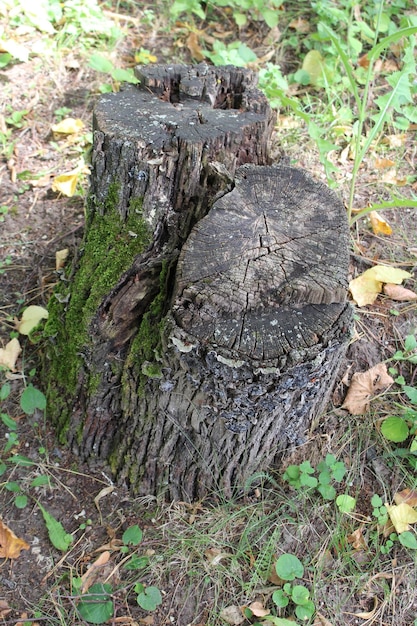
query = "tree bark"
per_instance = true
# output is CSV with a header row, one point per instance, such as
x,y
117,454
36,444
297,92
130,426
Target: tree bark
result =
x,y
205,317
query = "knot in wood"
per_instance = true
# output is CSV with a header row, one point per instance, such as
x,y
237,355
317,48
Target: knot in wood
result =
x,y
264,273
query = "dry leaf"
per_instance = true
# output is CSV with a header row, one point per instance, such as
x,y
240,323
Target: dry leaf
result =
x,y
300,25
401,516
406,495
215,555
366,287
363,61
9,354
4,609
60,258
357,539
194,47
232,615
66,183
68,126
320,620
379,225
382,164
10,545
395,141
390,177
93,573
399,293
31,318
363,386
368,614
258,609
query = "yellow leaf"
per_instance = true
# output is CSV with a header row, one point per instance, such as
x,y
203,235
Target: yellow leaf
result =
x,y
15,49
366,287
379,225
68,126
66,183
31,318
363,386
313,64
10,545
9,354
60,258
401,516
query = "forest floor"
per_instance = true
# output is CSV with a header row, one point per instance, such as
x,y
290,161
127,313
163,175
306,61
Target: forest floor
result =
x,y
209,560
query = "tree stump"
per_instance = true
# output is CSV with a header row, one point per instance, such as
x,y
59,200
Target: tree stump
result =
x,y
204,319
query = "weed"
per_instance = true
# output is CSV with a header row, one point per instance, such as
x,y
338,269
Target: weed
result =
x,y
306,477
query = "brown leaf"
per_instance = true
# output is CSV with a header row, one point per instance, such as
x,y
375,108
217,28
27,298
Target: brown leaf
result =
x,y
258,609
4,609
363,61
357,539
93,573
320,620
363,386
232,615
382,164
406,495
10,545
399,293
300,25
194,47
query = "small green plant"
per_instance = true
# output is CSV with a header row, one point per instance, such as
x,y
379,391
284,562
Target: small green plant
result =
x,y
96,606
379,510
288,567
304,476
101,64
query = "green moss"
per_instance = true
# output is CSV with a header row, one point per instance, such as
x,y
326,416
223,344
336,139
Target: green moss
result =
x,y
109,247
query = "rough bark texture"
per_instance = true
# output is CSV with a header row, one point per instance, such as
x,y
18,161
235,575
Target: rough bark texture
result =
x,y
206,316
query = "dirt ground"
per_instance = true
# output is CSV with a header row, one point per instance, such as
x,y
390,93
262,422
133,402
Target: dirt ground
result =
x,y
40,223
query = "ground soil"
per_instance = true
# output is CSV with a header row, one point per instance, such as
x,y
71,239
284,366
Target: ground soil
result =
x,y
40,223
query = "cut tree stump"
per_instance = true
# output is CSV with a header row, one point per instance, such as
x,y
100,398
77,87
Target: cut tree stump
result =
x,y
204,320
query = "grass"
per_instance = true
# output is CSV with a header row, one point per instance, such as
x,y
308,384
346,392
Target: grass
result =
x,y
342,110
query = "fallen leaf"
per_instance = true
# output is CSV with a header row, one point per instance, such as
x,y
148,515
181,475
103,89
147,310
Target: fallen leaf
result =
x,y
93,573
9,354
395,141
215,555
363,61
406,495
66,183
15,48
399,293
68,126
31,318
366,287
10,545
390,177
232,615
300,25
194,47
363,386
401,516
368,614
357,539
320,620
382,164
258,609
4,609
60,258
379,225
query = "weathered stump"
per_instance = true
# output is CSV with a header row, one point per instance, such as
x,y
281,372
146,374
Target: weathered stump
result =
x,y
205,319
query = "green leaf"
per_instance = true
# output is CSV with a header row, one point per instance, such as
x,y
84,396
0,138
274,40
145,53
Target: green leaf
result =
x,y
13,486
327,491
21,501
288,567
59,538
5,391
345,503
21,460
122,75
280,598
148,597
300,594
408,540
101,64
133,535
96,606
32,399
394,429
305,611
136,562
410,343
411,393
40,481
8,421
